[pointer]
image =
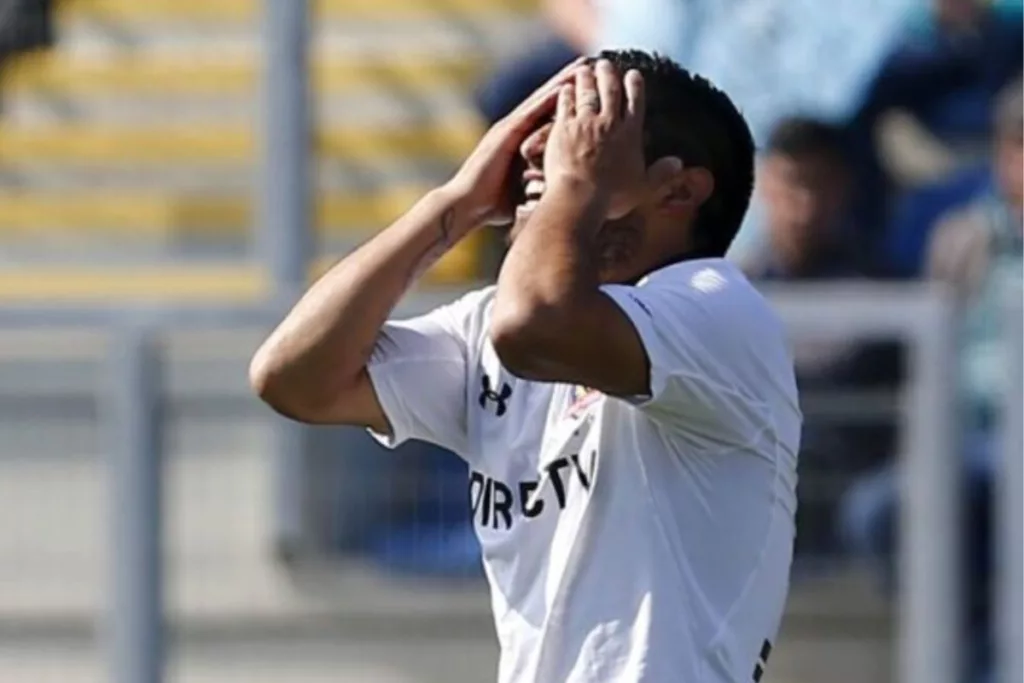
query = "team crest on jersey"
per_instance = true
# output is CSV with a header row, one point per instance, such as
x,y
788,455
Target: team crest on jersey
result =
x,y
582,398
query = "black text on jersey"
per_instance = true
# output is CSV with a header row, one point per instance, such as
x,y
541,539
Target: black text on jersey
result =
x,y
498,505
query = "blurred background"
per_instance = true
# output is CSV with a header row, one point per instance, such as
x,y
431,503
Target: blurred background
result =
x,y
172,172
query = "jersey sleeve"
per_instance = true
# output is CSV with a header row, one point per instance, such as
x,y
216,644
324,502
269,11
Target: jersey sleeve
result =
x,y
702,374
418,369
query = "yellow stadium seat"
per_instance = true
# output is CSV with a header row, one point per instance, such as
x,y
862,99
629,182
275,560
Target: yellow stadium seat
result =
x,y
133,215
220,144
99,142
236,10
228,283
47,72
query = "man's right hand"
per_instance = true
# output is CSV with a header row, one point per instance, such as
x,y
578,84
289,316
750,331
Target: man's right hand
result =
x,y
483,181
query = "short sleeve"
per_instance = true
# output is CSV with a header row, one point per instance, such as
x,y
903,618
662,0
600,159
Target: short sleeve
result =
x,y
703,376
418,369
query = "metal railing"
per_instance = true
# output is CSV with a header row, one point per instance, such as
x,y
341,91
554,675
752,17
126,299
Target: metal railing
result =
x,y
136,613
929,602
929,606
1010,505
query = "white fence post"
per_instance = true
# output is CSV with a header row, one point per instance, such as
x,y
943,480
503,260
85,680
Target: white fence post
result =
x,y
929,630
133,420
285,242
931,526
1009,536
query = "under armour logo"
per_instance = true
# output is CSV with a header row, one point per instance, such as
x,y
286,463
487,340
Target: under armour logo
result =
x,y
500,397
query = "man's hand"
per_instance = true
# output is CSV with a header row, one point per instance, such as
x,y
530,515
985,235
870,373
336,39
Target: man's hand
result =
x,y
483,182
550,321
597,140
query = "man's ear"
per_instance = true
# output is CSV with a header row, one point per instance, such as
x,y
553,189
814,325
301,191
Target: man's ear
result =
x,y
677,187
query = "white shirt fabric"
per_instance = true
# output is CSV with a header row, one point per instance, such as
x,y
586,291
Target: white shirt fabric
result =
x,y
625,541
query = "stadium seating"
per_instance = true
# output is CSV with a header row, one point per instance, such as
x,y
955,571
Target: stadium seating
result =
x,y
138,133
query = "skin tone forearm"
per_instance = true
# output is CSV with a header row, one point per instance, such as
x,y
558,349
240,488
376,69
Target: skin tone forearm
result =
x,y
327,338
552,266
550,321
312,368
553,271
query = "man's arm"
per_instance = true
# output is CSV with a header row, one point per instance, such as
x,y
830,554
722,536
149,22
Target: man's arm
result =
x,y
312,368
551,322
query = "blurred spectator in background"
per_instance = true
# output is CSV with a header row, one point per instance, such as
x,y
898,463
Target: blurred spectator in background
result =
x,y
779,58
805,190
920,75
978,249
916,213
921,209
804,186
24,25
586,27
573,25
774,57
930,111
944,75
847,62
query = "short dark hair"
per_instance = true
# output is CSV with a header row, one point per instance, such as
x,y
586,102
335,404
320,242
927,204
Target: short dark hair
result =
x,y
690,118
800,137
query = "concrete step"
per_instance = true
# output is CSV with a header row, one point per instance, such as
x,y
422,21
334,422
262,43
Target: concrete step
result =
x,y
833,658
434,659
326,659
217,544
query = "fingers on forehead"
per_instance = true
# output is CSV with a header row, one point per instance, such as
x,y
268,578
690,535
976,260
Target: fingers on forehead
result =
x,y
585,75
607,78
634,83
566,101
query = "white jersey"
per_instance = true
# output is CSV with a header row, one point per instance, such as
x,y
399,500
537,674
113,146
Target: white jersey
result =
x,y
625,540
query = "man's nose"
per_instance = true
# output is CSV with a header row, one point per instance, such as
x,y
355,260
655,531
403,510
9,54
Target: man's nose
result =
x,y
532,149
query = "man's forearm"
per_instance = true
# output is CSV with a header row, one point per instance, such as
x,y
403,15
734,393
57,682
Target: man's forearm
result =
x,y
328,336
551,267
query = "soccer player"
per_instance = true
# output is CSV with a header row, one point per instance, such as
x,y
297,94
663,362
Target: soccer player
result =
x,y
623,396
